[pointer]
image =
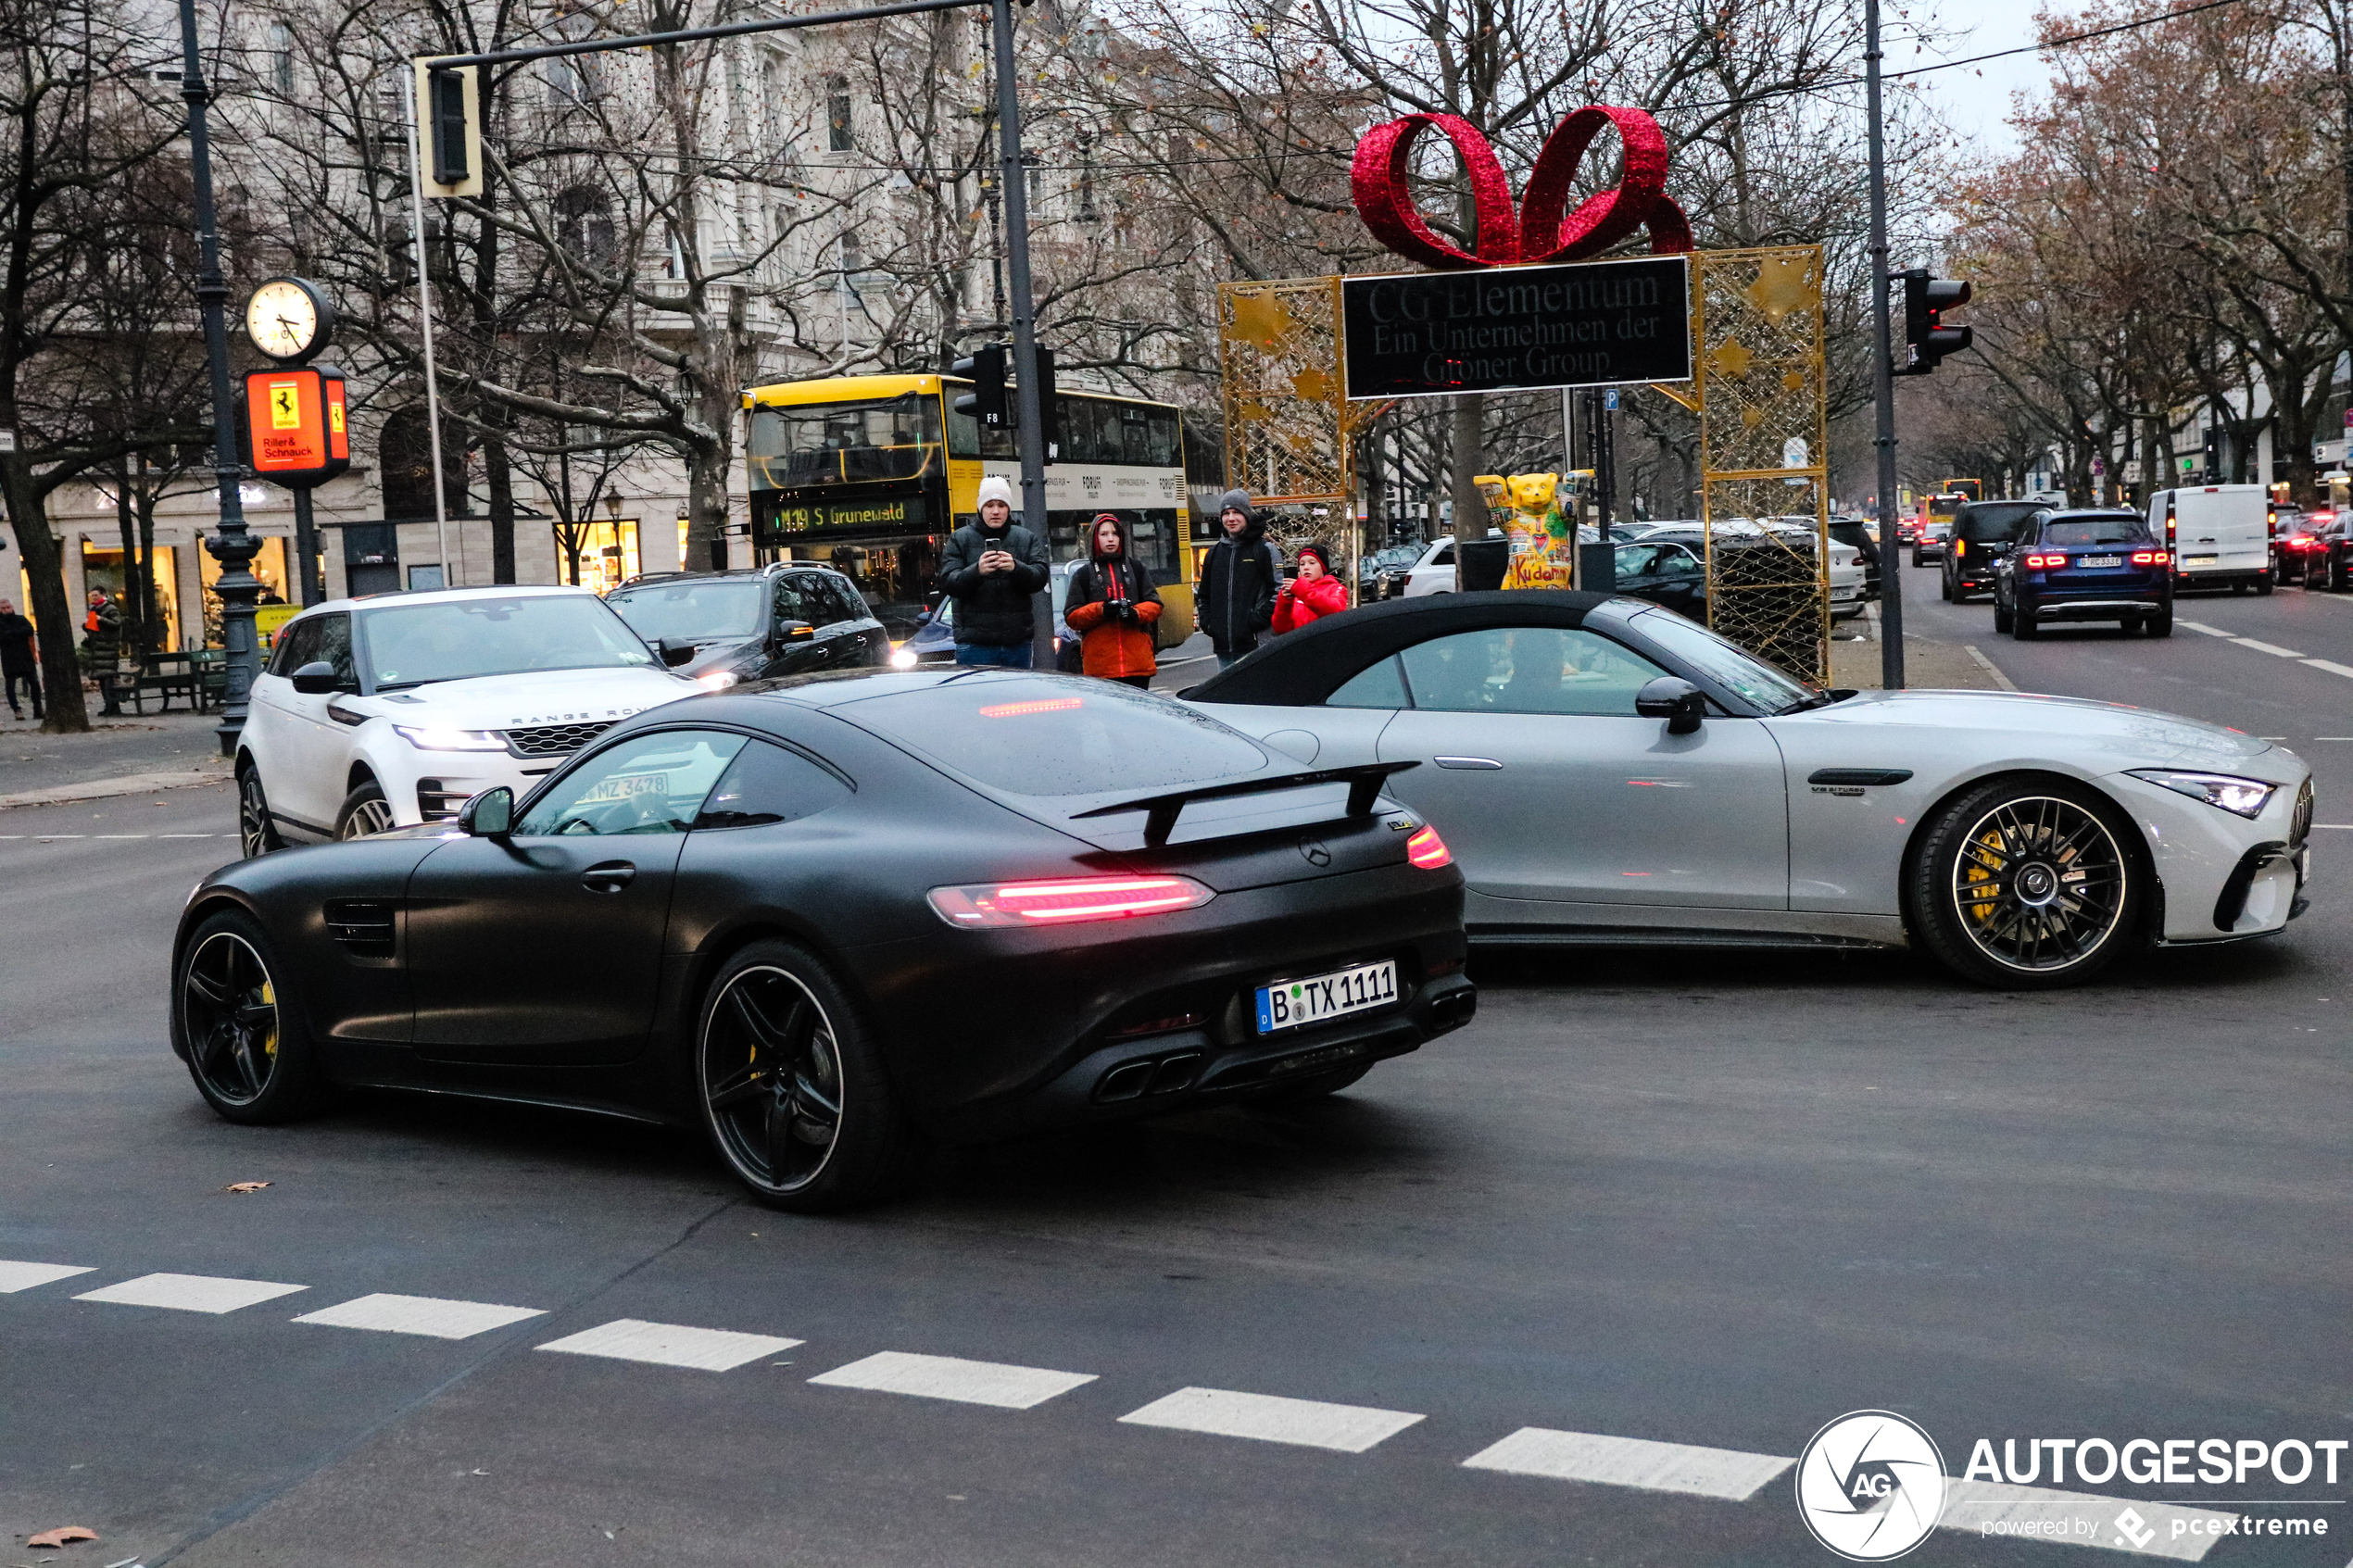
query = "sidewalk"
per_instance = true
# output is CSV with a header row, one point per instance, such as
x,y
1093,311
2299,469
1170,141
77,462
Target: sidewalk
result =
x,y
1928,664
127,756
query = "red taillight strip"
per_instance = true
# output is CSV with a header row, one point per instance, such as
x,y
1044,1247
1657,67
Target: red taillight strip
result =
x,y
1039,705
1066,901
1428,850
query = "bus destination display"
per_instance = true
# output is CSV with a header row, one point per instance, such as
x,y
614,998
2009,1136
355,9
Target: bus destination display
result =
x,y
1515,329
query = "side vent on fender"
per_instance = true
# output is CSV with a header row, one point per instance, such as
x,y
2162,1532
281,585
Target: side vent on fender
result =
x,y
363,926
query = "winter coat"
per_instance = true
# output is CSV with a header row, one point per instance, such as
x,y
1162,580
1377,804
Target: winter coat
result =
x,y
1111,646
992,608
1236,596
104,625
16,644
1303,601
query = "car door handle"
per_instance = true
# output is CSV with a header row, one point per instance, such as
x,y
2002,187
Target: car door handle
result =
x,y
610,877
1477,764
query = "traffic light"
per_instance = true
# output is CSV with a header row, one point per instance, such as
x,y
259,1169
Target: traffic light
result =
x,y
1050,405
1926,298
986,402
449,118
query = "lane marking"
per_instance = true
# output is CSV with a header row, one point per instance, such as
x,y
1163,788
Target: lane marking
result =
x,y
668,1344
2335,827
192,836
2209,631
1984,1507
123,835
429,1315
2266,647
190,1293
2335,668
24,1276
1630,1462
1349,1429
1987,665
949,1377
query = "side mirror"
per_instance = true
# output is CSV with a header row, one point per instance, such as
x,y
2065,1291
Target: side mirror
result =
x,y
1674,699
792,632
316,678
923,619
490,814
674,651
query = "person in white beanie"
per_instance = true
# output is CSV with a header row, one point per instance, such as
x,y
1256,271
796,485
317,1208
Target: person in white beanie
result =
x,y
992,570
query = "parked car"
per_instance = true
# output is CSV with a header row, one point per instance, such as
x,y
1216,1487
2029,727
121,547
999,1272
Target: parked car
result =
x,y
2084,566
826,919
389,711
1982,536
1382,573
1612,774
718,628
1433,569
2220,535
1667,574
1863,534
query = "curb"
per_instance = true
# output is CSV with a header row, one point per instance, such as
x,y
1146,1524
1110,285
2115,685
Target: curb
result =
x,y
101,789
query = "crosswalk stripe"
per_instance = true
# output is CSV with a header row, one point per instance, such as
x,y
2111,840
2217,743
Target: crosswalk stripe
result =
x,y
670,1344
429,1315
190,1293
1989,1509
24,1276
948,1377
1630,1462
1221,1412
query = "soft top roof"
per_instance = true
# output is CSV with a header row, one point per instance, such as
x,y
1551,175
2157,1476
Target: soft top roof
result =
x,y
1304,666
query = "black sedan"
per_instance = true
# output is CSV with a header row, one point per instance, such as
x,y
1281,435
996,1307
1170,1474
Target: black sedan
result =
x,y
829,919
723,627
1983,533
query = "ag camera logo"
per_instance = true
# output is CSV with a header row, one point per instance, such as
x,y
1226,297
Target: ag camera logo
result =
x,y
1870,1486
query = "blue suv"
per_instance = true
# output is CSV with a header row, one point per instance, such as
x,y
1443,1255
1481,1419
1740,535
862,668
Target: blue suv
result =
x,y
2084,566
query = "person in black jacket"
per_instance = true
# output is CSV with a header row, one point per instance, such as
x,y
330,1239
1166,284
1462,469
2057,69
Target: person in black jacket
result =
x,y
17,660
1236,596
992,570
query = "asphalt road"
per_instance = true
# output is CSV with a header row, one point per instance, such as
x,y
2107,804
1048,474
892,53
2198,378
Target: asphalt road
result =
x,y
1701,1200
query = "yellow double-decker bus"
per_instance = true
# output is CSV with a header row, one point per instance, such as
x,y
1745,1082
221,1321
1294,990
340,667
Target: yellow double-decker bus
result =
x,y
871,475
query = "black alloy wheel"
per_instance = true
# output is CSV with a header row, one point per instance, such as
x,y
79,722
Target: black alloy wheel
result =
x,y
2027,885
256,833
2003,620
244,1041
792,1089
365,811
2022,624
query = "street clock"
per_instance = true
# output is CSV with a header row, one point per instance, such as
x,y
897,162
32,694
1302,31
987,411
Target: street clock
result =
x,y
290,318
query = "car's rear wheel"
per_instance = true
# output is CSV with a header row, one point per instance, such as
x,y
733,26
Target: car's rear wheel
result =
x,y
256,830
2160,624
2022,625
2263,584
245,1040
2027,885
365,811
2003,620
1944,588
792,1086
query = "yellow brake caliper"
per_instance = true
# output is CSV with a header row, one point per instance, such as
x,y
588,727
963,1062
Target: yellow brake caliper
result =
x,y
1981,909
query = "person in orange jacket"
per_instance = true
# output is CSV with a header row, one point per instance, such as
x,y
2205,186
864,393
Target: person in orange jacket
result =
x,y
1111,605
1310,596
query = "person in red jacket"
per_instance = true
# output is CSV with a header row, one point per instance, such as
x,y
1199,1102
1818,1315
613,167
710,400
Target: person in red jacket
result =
x,y
1310,596
1112,606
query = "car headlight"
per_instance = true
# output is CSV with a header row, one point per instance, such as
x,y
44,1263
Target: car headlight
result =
x,y
718,680
433,737
905,658
2244,797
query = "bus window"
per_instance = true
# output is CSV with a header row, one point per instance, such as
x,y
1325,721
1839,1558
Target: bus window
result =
x,y
964,430
889,438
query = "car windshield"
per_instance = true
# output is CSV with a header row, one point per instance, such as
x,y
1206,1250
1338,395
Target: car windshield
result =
x,y
1038,736
1727,664
700,609
459,639
1988,523
2076,531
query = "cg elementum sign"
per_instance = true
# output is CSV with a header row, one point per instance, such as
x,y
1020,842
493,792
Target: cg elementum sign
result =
x,y
1518,328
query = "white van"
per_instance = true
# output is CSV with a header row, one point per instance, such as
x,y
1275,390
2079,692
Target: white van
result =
x,y
2219,533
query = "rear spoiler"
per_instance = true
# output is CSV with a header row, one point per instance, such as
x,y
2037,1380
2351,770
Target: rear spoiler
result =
x,y
1363,783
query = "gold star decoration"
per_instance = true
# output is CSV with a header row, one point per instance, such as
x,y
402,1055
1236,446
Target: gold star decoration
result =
x,y
1312,384
1751,418
1259,318
1793,381
1784,285
1731,359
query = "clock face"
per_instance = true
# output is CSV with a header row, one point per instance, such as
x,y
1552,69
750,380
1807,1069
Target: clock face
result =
x,y
282,318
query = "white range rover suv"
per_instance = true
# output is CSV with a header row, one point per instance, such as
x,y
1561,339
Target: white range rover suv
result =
x,y
388,711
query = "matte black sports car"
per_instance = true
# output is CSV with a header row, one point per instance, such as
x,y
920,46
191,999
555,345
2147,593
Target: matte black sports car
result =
x,y
828,917
719,628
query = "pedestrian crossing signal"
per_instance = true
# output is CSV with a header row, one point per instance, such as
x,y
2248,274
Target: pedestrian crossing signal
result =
x,y
449,128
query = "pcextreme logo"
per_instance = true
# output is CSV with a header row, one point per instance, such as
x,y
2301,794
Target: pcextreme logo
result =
x,y
1870,1486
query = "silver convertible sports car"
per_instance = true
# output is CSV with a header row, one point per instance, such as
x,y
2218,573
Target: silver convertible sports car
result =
x,y
1606,771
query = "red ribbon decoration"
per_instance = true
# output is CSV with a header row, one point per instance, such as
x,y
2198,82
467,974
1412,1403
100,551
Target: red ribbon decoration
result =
x,y
1542,230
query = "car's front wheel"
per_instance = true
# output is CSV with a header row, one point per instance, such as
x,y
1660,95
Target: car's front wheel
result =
x,y
257,830
365,811
2026,885
233,1017
792,1086
2003,621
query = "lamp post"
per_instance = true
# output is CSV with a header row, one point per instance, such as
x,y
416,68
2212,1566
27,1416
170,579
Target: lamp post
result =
x,y
232,547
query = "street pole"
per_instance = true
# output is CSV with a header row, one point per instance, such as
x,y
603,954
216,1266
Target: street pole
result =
x,y
1890,569
424,319
305,547
1030,416
232,547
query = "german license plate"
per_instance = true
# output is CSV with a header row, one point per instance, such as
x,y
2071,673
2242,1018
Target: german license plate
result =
x,y
1289,1004
2199,560
2099,561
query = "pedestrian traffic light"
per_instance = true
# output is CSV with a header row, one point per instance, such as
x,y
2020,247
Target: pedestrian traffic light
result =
x,y
450,120
1926,298
986,402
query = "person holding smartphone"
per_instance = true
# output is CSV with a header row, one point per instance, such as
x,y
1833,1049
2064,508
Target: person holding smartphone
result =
x,y
992,570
